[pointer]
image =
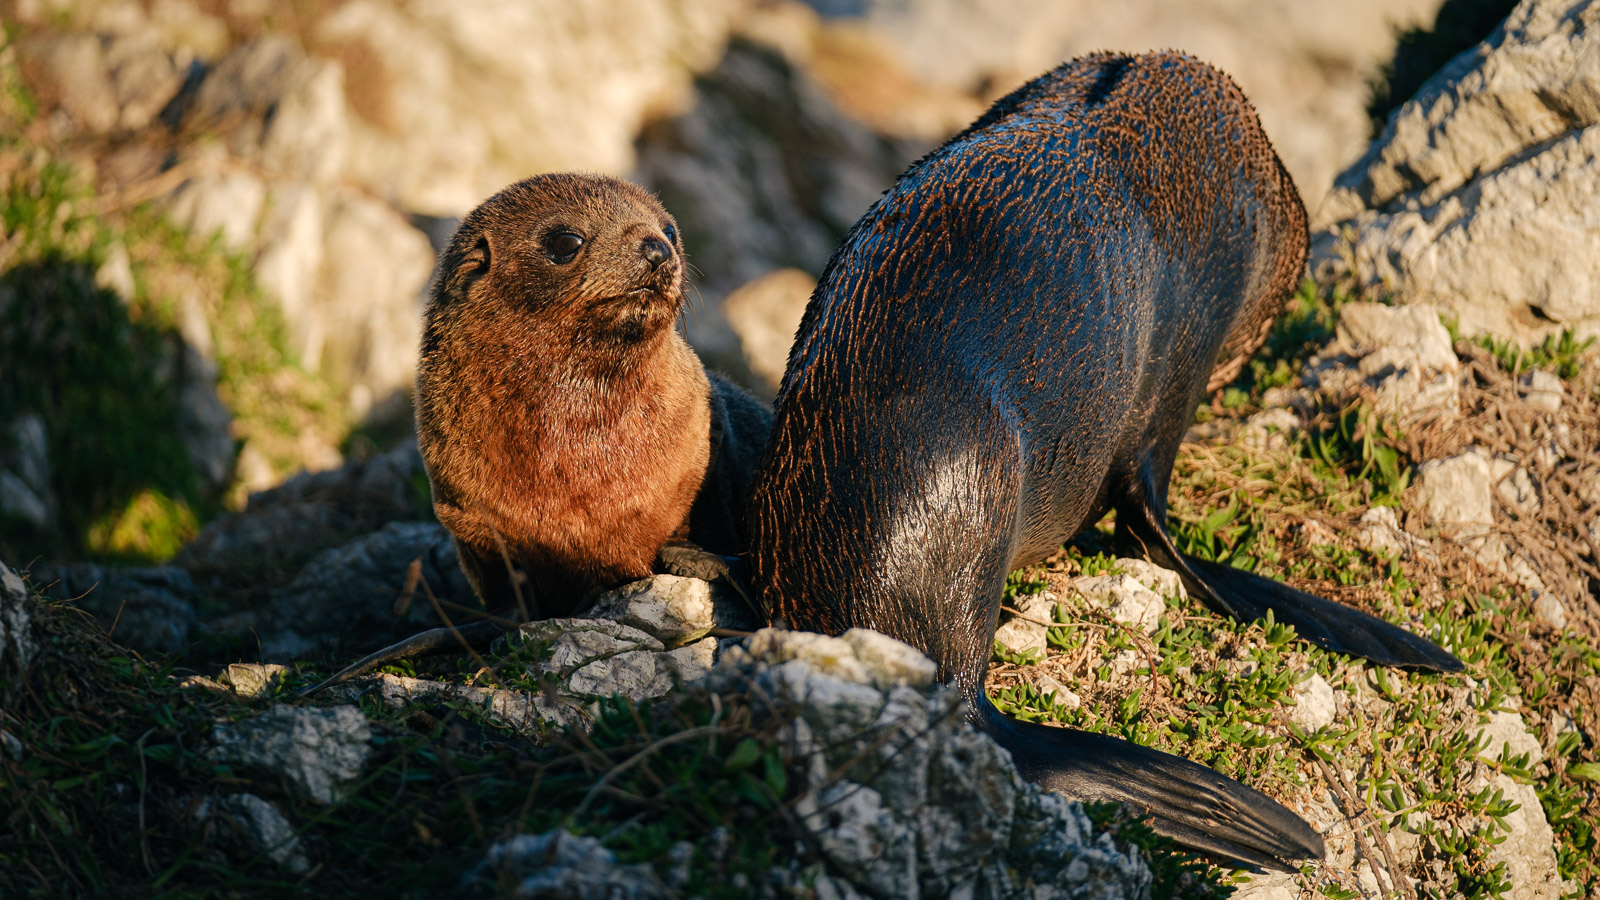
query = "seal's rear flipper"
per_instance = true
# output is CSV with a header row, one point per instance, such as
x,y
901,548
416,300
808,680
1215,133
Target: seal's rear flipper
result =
x,y
1195,806
1247,597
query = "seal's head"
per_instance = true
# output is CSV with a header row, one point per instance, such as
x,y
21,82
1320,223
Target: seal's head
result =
x,y
596,258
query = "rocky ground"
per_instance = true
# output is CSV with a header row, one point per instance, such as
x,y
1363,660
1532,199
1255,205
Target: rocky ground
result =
x,y
1417,439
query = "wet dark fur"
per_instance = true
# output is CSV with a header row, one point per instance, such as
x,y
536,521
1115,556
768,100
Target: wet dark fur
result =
x,y
565,424
1008,345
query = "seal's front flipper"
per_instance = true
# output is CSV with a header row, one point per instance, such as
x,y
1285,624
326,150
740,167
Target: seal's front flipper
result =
x,y
1191,804
1247,597
690,561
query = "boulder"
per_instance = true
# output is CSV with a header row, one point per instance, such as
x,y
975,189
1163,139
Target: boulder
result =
x,y
1402,354
1480,194
318,753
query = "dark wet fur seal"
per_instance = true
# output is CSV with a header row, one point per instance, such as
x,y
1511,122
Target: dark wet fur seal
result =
x,y
569,432
1009,344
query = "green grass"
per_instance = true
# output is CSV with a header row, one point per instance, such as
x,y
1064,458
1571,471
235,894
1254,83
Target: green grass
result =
x,y
104,372
1220,691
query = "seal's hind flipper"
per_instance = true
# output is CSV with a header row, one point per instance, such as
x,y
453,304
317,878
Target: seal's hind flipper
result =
x,y
1247,597
1195,806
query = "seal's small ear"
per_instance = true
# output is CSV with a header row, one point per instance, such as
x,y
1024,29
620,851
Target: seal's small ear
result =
x,y
474,263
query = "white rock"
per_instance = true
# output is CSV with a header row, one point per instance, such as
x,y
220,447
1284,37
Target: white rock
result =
x,y
370,251
1404,353
561,864
1026,632
1550,610
893,663
672,609
319,752
1129,602
1269,886
1165,582
17,646
1270,429
254,680
73,67
853,830
1454,493
1063,694
1314,703
1379,531
1506,729
260,827
1481,193
583,79
1543,390
1528,848
225,203
115,274
524,713
1514,487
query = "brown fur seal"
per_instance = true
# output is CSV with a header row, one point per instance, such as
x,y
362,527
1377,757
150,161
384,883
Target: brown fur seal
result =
x,y
1010,343
566,426
569,432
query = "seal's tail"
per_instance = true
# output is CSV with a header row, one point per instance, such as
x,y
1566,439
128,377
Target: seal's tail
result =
x,y
1191,804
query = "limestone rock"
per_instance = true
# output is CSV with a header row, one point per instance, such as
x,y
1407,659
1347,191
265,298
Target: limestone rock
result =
x,y
902,792
1402,353
1027,631
1164,582
672,609
1270,429
1314,703
1379,531
1127,600
560,864
68,72
1480,194
255,680
258,827
592,659
17,646
317,752
1457,496
1454,493
1514,487
1528,849
1507,732
525,712
1543,390
432,88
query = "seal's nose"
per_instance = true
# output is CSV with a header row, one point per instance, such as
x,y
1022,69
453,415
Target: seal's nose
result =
x,y
655,251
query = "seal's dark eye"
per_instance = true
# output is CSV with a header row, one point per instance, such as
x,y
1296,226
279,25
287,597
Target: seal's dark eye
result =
x,y
563,245
671,233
